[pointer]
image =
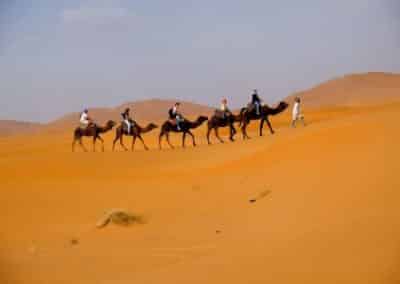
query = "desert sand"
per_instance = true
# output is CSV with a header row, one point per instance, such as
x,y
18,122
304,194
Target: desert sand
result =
x,y
314,204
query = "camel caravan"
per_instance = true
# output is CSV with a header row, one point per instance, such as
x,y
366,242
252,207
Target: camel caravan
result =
x,y
222,117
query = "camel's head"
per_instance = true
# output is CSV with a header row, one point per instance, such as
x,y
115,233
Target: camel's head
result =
x,y
111,123
153,126
202,118
283,105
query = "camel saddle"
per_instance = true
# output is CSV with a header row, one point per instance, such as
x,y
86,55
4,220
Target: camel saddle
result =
x,y
125,127
175,124
251,108
83,126
220,114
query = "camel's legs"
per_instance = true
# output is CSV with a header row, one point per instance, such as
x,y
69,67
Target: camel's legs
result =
x,y
102,143
208,135
217,135
169,143
133,142
83,146
191,134
115,141
232,131
117,137
144,144
94,143
183,139
261,126
244,130
122,142
73,144
269,125
243,125
159,139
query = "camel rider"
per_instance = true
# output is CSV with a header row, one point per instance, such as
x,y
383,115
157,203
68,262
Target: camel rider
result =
x,y
84,120
256,101
127,120
175,116
224,108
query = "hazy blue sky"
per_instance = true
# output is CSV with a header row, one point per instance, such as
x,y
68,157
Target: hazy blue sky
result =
x,y
61,56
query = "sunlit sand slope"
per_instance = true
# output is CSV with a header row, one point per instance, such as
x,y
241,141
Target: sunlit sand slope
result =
x,y
318,204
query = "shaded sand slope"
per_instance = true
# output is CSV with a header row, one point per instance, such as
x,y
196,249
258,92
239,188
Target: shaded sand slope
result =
x,y
153,110
143,112
12,127
353,90
328,211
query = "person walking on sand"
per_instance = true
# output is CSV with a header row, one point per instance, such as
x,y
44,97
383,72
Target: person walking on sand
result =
x,y
296,114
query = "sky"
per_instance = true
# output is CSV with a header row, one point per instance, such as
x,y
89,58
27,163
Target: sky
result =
x,y
63,56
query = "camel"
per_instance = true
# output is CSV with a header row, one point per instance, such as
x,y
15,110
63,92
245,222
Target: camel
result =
x,y
216,121
185,126
136,132
91,131
248,114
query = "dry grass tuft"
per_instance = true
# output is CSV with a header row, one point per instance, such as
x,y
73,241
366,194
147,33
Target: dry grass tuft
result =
x,y
119,217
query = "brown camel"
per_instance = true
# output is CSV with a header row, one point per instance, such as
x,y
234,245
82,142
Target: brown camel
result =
x,y
217,121
185,127
248,114
91,131
136,132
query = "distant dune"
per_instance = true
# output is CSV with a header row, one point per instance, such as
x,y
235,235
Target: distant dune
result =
x,y
154,110
353,90
11,127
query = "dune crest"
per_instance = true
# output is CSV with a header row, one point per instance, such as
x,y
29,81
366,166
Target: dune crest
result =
x,y
353,90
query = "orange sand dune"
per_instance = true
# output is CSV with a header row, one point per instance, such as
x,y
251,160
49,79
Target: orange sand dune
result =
x,y
353,90
326,206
